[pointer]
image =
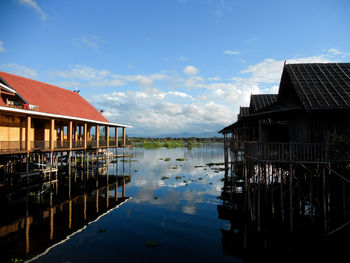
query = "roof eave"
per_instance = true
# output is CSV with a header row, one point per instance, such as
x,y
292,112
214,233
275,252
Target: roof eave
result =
x,y
50,115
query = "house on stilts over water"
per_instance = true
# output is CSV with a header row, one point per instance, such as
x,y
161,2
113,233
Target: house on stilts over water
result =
x,y
39,120
58,166
290,152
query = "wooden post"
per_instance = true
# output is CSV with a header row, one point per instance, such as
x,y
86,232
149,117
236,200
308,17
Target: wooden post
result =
x,y
85,135
107,135
28,222
70,133
70,214
75,132
116,189
124,137
123,187
259,179
85,198
97,135
52,134
29,124
51,222
325,203
291,210
107,195
97,193
116,136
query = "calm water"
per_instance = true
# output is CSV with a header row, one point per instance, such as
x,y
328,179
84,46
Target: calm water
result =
x,y
168,213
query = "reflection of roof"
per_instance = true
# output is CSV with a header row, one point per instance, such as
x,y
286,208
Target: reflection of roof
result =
x,y
318,85
260,101
51,99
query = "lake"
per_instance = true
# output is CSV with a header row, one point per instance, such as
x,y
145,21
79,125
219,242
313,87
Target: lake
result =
x,y
165,209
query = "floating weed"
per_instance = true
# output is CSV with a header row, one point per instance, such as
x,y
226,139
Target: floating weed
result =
x,y
164,177
200,178
16,260
167,159
212,164
178,177
180,159
174,167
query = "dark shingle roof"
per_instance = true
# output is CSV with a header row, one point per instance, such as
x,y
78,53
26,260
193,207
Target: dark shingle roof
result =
x,y
260,101
319,85
243,111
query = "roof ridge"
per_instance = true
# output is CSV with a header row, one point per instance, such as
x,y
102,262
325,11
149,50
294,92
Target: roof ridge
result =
x,y
45,83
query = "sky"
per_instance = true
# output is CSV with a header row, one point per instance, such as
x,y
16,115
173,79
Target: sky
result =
x,y
169,66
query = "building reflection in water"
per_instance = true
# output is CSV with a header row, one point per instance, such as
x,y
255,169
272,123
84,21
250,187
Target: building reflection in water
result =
x,y
40,215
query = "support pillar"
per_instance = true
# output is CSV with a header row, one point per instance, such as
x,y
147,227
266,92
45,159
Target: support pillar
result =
x,y
124,137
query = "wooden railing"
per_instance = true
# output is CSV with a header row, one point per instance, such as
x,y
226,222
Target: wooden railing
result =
x,y
21,146
12,146
296,152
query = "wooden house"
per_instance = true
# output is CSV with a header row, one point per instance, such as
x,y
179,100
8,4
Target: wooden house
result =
x,y
36,116
309,111
296,143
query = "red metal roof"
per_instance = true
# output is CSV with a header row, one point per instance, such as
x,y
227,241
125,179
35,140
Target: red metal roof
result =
x,y
52,99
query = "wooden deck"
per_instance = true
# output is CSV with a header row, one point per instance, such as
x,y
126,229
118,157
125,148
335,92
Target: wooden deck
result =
x,y
293,152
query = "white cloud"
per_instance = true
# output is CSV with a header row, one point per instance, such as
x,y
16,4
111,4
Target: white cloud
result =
x,y
231,52
2,49
19,70
190,70
165,102
35,6
91,42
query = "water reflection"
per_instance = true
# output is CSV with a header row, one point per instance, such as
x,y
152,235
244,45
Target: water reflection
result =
x,y
171,217
177,177
44,213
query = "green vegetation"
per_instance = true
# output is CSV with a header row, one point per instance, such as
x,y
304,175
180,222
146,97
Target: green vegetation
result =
x,y
151,143
167,159
180,159
164,178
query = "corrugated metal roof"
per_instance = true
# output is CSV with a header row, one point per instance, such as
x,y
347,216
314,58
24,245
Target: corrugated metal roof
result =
x,y
52,99
319,85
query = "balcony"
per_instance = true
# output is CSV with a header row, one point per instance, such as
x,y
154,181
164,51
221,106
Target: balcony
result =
x,y
296,152
10,146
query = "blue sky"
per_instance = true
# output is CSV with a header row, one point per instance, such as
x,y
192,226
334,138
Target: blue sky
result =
x,y
169,66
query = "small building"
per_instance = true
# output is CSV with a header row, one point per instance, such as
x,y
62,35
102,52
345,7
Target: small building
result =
x,y
37,116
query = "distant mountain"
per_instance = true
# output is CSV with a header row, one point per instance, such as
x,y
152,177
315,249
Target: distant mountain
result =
x,y
188,135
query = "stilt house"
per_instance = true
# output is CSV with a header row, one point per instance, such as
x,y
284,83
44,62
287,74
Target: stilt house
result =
x,y
38,116
294,147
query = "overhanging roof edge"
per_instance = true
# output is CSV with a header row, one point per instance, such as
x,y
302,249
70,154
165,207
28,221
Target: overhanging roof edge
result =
x,y
44,114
